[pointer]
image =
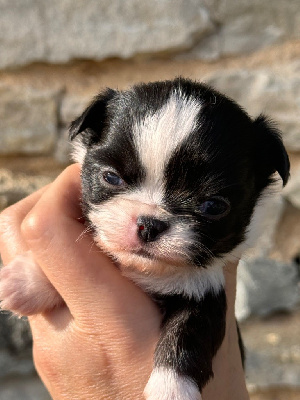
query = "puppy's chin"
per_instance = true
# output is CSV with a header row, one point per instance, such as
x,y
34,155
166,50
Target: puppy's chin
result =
x,y
147,262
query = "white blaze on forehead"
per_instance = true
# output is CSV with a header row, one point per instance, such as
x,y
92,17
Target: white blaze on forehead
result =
x,y
159,134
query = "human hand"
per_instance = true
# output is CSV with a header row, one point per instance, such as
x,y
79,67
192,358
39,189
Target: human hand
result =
x,y
100,344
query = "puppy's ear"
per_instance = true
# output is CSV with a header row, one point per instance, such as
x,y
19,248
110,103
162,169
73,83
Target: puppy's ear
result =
x,y
92,120
88,128
270,149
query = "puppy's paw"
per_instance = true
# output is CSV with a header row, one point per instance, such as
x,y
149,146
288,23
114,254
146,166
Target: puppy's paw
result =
x,y
24,288
166,384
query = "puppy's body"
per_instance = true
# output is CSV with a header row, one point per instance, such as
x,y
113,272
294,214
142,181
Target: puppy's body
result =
x,y
172,173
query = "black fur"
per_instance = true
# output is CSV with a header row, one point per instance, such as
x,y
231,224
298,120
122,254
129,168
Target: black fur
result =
x,y
192,332
227,155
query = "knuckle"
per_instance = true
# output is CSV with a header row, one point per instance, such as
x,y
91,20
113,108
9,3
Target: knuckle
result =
x,y
33,226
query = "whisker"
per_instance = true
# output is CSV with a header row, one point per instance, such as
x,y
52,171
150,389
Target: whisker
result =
x,y
88,229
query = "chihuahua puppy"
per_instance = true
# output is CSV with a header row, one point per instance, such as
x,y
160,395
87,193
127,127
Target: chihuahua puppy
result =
x,y
174,179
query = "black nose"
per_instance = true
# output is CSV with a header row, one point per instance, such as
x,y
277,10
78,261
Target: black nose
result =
x,y
150,228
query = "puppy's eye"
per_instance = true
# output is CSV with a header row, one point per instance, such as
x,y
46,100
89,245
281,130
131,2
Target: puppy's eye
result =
x,y
112,178
214,208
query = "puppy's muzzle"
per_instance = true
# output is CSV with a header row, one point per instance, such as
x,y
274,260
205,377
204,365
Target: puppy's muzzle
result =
x,y
150,229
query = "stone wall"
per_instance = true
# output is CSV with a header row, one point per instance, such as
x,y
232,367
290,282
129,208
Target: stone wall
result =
x,y
55,56
203,29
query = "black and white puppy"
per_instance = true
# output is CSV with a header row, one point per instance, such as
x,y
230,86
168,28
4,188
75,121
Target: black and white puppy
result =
x,y
174,176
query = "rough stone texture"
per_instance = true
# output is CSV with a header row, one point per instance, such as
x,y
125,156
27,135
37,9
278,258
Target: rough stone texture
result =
x,y
28,121
3,202
13,187
73,104
15,335
18,379
12,365
273,354
277,393
96,30
265,286
247,26
23,388
282,375
266,226
31,118
269,92
268,279
63,148
38,103
260,90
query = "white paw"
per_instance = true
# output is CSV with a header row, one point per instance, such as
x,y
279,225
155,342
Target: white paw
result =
x,y
165,384
24,288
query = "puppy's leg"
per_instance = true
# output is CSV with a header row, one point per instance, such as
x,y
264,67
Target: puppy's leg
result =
x,y
191,335
24,288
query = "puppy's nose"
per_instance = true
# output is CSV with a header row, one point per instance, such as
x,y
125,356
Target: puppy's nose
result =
x,y
150,228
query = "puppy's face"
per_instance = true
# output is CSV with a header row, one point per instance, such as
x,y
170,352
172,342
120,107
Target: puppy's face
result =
x,y
171,174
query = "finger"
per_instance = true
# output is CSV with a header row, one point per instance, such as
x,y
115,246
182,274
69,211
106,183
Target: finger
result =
x,y
75,267
11,240
230,273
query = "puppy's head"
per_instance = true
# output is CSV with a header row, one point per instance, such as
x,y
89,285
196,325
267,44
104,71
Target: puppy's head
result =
x,y
172,172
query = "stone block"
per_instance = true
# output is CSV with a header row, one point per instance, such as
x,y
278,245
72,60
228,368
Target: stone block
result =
x,y
73,104
28,120
23,388
15,337
274,93
63,148
273,354
265,286
13,187
92,29
247,27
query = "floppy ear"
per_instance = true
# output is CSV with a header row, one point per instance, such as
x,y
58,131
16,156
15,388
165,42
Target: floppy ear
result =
x,y
270,149
88,128
92,120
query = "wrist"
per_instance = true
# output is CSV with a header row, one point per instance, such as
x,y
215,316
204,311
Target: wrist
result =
x,y
229,379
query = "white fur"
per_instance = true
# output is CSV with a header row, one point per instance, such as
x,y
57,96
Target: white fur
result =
x,y
263,215
116,222
191,282
259,225
159,134
165,384
168,270
116,228
147,194
167,277
169,273
195,282
79,150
